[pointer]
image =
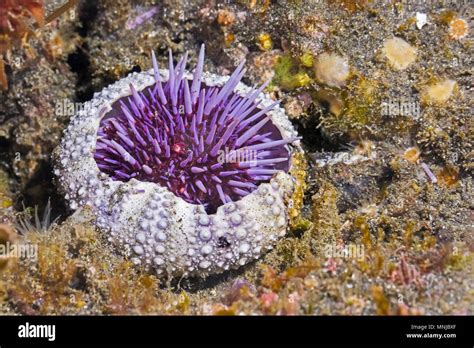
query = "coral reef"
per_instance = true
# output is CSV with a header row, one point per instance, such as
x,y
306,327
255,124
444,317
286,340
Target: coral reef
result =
x,y
40,79
332,70
399,53
14,28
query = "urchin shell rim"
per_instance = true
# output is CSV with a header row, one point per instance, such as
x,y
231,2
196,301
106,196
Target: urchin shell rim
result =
x,y
277,114
95,109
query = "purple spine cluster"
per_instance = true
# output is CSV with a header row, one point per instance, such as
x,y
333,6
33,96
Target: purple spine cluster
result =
x,y
206,144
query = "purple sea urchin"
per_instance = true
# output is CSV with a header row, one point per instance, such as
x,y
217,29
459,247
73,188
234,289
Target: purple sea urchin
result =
x,y
208,145
186,177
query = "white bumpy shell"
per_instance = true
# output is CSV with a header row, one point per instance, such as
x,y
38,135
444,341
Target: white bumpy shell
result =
x,y
152,226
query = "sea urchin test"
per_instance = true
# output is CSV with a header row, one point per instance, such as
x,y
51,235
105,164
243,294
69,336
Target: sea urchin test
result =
x,y
187,173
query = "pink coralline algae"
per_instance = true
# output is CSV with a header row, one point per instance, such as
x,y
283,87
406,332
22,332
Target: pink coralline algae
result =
x,y
187,174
